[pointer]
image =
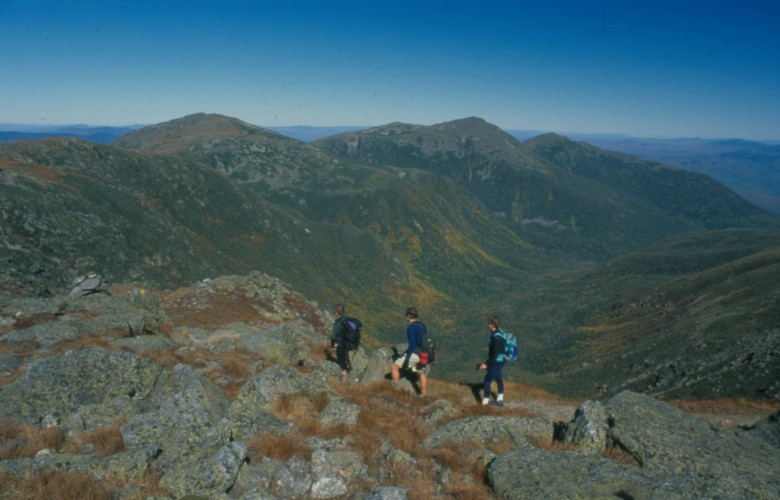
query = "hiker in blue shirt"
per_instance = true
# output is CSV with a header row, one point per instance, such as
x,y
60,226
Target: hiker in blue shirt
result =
x,y
410,360
337,340
494,363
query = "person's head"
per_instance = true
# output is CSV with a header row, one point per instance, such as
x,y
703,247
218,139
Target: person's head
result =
x,y
411,313
339,310
493,323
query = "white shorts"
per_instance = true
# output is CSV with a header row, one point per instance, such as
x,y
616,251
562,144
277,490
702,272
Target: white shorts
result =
x,y
414,360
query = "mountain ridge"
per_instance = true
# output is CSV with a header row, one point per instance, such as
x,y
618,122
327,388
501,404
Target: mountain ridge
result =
x,y
471,224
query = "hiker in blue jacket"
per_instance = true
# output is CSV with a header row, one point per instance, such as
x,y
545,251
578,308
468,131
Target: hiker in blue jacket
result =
x,y
410,360
495,363
337,340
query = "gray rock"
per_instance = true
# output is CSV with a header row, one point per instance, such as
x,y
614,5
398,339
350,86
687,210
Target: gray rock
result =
x,y
438,411
389,493
85,285
588,431
274,478
329,487
768,430
722,461
47,334
491,429
59,385
341,463
339,411
250,412
288,342
370,366
530,473
188,435
9,362
134,313
205,474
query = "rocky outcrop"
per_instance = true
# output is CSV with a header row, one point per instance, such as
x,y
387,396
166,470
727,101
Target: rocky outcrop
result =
x,y
179,416
89,385
677,456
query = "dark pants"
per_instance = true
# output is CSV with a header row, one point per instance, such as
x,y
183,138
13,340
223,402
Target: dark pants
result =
x,y
342,358
493,373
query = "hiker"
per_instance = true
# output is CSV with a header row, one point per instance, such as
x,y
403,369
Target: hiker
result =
x,y
495,363
410,360
338,340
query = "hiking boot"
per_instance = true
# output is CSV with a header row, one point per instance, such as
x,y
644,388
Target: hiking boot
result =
x,y
496,403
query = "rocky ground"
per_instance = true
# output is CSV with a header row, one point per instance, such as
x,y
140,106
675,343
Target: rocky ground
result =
x,y
224,390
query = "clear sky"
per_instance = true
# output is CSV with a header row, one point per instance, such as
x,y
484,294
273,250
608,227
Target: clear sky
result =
x,y
659,68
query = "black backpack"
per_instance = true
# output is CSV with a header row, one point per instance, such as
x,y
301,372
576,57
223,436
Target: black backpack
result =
x,y
352,333
428,349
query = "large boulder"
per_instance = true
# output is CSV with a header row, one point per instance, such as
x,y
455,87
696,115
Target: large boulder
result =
x,y
488,429
250,413
288,343
57,386
588,431
188,434
725,462
768,429
530,473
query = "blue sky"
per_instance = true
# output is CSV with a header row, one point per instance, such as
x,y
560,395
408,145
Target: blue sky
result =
x,y
643,68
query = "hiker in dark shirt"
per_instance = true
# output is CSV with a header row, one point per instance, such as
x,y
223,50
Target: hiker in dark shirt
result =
x,y
495,363
410,360
337,339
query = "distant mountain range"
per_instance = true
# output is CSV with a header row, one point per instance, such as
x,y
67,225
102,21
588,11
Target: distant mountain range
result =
x,y
750,168
16,132
615,271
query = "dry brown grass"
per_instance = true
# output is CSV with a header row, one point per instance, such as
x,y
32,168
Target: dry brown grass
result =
x,y
84,342
725,409
105,440
21,440
229,370
280,447
550,445
619,455
65,485
385,413
19,348
300,408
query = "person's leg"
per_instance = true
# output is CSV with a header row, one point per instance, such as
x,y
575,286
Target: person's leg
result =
x,y
489,376
500,382
423,384
342,359
395,372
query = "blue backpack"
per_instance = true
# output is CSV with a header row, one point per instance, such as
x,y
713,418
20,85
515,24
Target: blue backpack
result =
x,y
510,347
352,333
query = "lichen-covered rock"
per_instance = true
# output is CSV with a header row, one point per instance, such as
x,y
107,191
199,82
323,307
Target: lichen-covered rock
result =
x,y
723,461
206,473
438,411
530,473
491,429
272,478
250,411
332,470
288,343
370,365
389,493
769,430
189,435
588,431
339,411
59,385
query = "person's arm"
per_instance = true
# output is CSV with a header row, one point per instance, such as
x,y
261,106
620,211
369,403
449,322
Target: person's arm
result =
x,y
497,346
411,338
335,333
